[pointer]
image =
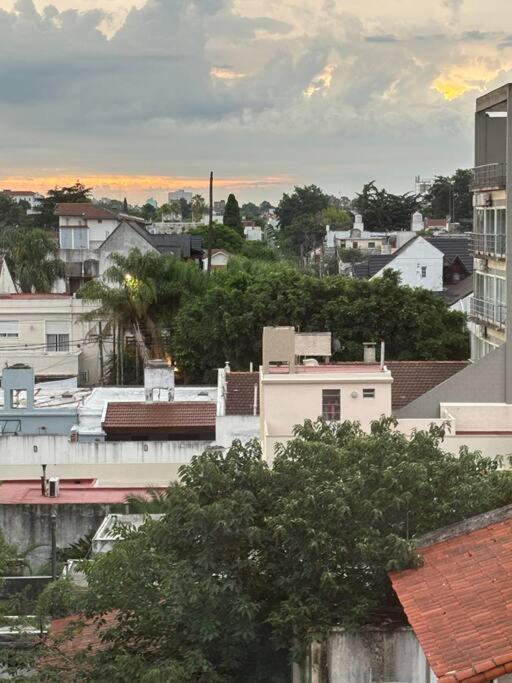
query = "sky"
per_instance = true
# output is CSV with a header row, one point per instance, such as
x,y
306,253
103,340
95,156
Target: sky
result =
x,y
139,97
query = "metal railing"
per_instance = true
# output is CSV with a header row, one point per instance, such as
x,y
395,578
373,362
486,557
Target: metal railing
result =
x,y
488,312
489,177
489,244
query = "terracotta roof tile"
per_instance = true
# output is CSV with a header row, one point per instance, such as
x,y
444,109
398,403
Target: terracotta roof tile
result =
x,y
412,379
458,603
159,416
240,393
84,210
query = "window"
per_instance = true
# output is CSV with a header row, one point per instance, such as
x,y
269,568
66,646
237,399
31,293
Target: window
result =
x,y
423,271
371,245
57,337
9,328
74,238
354,245
368,393
331,404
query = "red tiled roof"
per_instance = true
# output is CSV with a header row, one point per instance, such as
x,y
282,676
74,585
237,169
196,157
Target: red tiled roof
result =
x,y
131,416
459,603
81,492
240,393
83,209
411,379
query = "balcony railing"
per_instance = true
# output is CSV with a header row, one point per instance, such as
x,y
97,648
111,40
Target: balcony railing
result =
x,y
488,312
494,245
489,177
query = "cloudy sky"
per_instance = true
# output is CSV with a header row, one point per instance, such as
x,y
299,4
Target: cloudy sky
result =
x,y
138,97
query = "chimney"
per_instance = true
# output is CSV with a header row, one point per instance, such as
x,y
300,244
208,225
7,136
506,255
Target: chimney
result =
x,y
158,381
369,355
53,487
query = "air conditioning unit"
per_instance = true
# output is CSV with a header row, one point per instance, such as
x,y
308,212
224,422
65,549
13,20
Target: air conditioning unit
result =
x,y
53,487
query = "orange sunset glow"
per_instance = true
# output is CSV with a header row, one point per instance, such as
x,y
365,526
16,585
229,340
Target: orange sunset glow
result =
x,y
136,184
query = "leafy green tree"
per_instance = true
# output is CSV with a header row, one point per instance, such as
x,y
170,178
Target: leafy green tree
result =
x,y
250,210
223,237
74,194
300,226
258,251
249,563
149,212
336,218
198,206
34,253
228,318
232,217
385,211
451,196
12,213
185,209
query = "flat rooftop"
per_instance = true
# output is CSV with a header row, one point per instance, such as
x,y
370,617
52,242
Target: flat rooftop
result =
x,y
342,368
71,491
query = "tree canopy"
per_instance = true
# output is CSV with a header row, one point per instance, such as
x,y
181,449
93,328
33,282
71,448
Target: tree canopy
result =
x,y
32,255
225,322
248,563
451,196
382,210
74,193
300,226
232,217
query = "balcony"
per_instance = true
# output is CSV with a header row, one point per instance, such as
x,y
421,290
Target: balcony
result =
x,y
489,177
488,312
489,245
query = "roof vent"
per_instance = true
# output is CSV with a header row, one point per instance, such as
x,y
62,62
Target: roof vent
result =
x,y
53,487
369,355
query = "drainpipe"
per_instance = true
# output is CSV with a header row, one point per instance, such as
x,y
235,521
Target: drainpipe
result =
x,y
53,527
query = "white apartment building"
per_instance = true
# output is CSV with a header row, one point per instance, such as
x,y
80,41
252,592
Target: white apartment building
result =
x,y
492,138
176,195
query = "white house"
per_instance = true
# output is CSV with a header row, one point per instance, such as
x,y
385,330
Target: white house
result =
x,y
220,259
84,225
32,198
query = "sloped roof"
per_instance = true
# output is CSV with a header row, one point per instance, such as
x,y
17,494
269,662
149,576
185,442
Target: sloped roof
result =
x,y
240,393
83,210
459,601
168,417
372,266
453,247
413,378
458,291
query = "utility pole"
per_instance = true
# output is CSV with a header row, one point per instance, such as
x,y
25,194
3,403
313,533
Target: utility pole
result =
x,y
53,527
210,225
102,367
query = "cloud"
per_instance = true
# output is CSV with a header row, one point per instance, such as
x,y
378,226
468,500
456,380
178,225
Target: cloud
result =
x,y
315,91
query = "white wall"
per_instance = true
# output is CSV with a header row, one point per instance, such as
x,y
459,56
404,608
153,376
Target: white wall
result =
x,y
409,263
242,427
100,230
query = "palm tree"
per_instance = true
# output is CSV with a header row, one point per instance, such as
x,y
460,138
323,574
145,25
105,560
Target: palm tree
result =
x,y
36,265
143,292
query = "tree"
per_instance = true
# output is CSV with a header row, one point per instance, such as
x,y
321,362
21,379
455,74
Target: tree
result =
x,y
125,205
12,213
35,261
384,211
198,206
185,209
250,210
223,237
228,318
74,194
451,196
143,292
336,218
249,563
300,227
232,216
149,212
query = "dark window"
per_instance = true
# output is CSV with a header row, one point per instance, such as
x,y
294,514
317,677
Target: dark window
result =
x,y
354,245
331,404
423,271
57,342
371,245
368,393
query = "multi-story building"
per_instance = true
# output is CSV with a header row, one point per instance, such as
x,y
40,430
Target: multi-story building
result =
x,y
492,217
33,199
176,195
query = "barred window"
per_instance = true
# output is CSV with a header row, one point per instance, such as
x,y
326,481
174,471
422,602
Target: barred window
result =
x,y
331,404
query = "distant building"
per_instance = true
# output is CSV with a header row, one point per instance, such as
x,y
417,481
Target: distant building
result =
x,y
219,206
220,259
422,185
176,195
152,202
34,199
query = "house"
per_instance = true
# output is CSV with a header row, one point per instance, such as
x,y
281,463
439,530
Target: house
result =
x,y
458,600
48,333
220,259
292,391
33,199
428,262
78,505
355,238
238,410
252,232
